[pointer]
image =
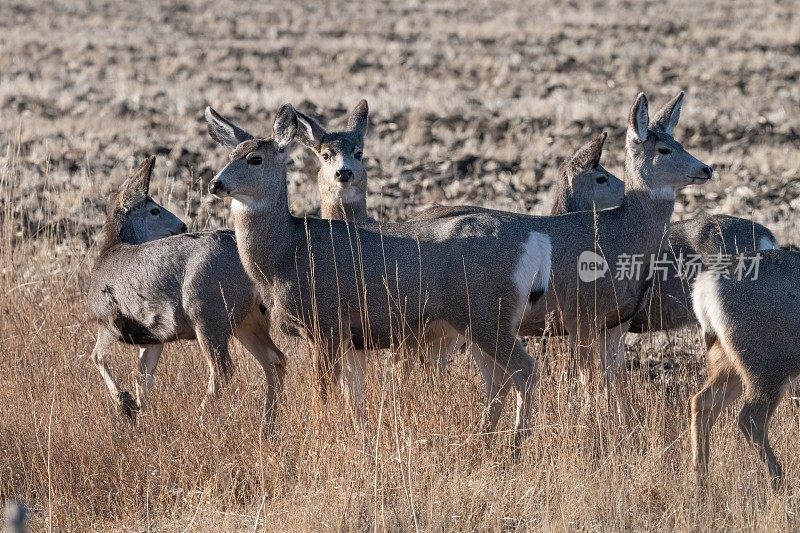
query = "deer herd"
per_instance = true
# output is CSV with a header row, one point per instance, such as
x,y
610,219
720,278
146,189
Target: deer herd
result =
x,y
452,277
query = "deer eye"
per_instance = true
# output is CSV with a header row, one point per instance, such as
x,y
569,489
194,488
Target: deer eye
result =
x,y
601,180
665,151
326,156
358,155
255,160
155,211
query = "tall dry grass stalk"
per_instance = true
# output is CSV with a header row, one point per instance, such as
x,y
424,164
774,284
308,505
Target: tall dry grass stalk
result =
x,y
416,464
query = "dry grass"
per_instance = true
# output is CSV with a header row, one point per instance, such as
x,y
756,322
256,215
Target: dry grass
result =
x,y
470,105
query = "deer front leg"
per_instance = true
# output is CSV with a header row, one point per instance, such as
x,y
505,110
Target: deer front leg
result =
x,y
254,335
350,372
220,369
612,353
105,340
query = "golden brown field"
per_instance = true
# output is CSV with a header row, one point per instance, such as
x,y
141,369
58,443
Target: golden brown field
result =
x,y
471,103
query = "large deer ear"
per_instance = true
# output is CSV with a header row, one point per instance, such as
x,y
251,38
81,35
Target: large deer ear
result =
x,y
224,131
638,119
588,156
284,129
137,186
309,131
667,117
358,121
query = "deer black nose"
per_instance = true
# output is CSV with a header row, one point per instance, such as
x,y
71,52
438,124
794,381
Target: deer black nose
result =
x,y
184,229
214,186
344,175
708,171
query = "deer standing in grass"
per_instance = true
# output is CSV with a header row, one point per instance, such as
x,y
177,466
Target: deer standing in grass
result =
x,y
583,184
153,284
349,288
194,286
750,320
596,313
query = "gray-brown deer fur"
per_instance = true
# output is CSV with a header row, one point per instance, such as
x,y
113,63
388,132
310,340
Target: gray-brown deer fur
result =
x,y
583,184
15,519
342,178
752,331
596,315
705,236
150,286
349,288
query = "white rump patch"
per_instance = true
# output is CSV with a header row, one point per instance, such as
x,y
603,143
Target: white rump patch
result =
x,y
767,243
706,304
532,272
662,193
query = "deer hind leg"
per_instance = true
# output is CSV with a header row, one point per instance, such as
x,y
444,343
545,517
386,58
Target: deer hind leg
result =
x,y
754,418
722,387
106,339
440,346
254,335
148,360
523,372
220,368
496,388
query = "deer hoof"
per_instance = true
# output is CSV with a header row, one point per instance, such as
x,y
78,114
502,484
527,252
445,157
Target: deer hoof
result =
x,y
130,408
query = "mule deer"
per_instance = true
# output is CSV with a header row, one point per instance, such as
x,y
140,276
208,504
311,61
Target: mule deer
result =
x,y
750,320
352,288
342,178
596,312
150,286
583,184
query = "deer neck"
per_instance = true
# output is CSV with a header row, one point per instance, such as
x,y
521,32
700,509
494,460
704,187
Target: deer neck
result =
x,y
112,235
265,234
333,208
562,200
647,210
117,230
